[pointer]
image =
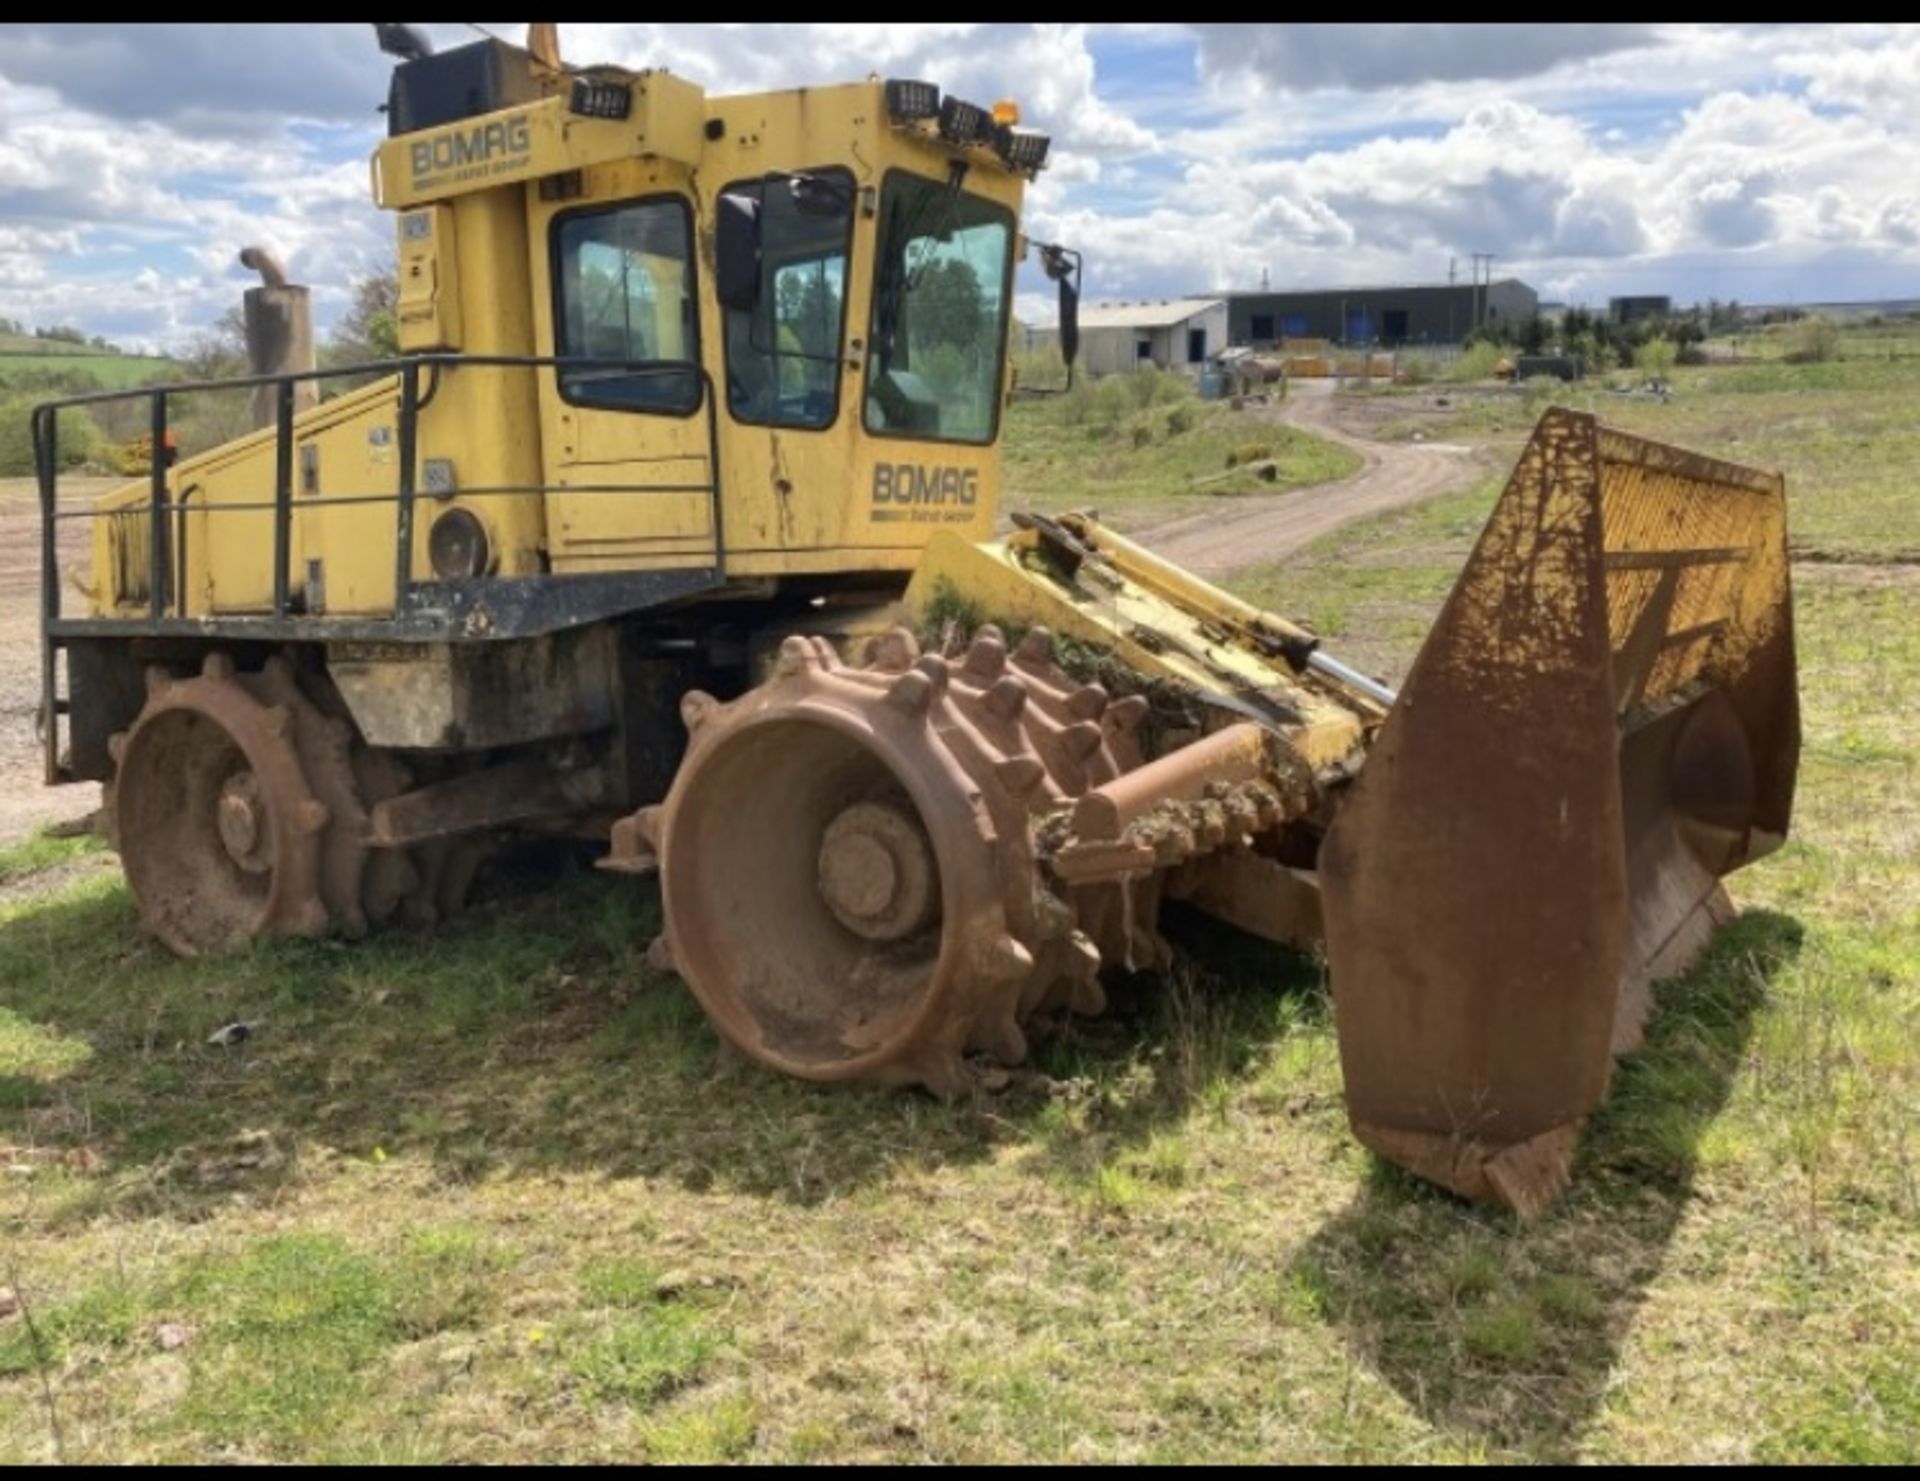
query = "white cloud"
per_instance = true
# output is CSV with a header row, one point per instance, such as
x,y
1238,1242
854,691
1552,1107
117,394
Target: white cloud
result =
x,y
1878,80
201,79
1899,221
1591,159
1366,55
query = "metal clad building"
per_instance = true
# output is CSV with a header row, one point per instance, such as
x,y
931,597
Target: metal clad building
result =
x,y
1439,313
1642,306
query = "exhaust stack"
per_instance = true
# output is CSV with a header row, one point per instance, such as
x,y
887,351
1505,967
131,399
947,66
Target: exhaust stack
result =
x,y
279,326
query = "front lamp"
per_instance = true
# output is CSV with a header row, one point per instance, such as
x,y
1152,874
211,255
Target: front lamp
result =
x,y
909,101
1023,149
600,99
457,547
964,123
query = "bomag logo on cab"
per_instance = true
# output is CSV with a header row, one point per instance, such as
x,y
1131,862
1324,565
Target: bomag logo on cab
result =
x,y
924,493
470,154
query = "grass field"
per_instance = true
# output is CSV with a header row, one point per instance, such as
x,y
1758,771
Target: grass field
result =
x,y
494,1194
114,372
1845,433
26,355
1141,465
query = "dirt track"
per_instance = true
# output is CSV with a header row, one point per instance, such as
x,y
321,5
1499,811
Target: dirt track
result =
x,y
25,803
1248,531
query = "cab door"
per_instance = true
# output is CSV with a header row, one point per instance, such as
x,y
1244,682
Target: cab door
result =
x,y
630,452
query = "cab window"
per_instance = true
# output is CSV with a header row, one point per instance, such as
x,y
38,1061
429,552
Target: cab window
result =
x,y
784,353
940,302
626,292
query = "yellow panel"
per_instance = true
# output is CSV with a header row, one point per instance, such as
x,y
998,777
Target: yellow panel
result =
x,y
838,499
516,145
478,213
1196,627
428,310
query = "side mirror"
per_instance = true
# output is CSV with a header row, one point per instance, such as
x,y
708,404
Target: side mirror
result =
x,y
1062,264
736,252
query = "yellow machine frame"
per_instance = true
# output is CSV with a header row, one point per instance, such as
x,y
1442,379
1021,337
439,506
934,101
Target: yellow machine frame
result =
x,y
478,201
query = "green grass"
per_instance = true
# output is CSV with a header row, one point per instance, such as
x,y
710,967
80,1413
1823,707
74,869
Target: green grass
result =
x,y
114,372
1843,432
29,344
38,853
1371,588
492,1192
1054,462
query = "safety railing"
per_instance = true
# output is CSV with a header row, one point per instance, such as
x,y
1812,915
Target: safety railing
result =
x,y
419,380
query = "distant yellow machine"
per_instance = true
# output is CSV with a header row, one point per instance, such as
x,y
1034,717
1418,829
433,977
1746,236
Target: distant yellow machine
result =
x,y
674,527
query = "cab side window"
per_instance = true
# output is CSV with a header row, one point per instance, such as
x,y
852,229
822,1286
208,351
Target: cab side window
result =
x,y
784,354
625,292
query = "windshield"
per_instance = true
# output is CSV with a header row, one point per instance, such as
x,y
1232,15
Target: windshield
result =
x,y
939,312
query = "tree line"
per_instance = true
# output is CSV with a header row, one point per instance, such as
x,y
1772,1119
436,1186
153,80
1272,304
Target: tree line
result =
x,y
56,334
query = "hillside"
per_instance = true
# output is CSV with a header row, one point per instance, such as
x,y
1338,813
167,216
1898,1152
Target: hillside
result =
x,y
25,362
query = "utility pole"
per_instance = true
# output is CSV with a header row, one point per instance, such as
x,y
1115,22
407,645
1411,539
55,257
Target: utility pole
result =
x,y
1482,280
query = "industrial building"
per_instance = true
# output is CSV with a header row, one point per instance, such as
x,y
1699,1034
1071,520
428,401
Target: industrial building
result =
x,y
1641,306
1172,333
1438,313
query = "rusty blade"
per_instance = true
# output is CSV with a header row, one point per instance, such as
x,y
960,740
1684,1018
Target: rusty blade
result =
x,y
1601,723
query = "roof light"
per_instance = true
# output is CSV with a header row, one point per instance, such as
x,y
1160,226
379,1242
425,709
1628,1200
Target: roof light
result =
x,y
1023,149
909,101
1007,112
601,99
964,123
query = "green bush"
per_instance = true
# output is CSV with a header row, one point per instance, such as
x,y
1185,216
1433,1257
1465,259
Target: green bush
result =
x,y
1076,404
1145,384
79,438
1042,369
1813,341
1475,363
1656,358
1113,399
1417,370
1180,419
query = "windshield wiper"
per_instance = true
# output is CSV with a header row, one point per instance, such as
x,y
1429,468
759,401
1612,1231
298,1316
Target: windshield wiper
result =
x,y
950,200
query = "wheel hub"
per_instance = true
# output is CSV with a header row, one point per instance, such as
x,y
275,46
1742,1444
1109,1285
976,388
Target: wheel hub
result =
x,y
877,872
242,819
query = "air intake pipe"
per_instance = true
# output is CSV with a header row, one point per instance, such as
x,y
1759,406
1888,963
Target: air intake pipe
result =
x,y
279,328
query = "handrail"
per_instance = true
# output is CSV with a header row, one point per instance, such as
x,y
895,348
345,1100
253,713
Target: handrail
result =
x,y
160,508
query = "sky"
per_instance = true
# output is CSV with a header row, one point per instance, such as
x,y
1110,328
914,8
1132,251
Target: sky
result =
x,y
1767,163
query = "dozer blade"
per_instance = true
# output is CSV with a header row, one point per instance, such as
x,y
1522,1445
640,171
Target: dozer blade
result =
x,y
1602,723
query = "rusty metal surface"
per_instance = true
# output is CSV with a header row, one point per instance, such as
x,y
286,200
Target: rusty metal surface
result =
x,y
215,820
502,795
242,807
847,857
1601,724
951,847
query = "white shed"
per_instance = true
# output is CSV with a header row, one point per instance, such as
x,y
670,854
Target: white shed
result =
x,y
1172,333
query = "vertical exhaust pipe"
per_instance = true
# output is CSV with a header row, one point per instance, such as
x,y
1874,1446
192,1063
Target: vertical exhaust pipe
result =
x,y
279,328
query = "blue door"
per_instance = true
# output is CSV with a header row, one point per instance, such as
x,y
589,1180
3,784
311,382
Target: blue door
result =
x,y
1359,326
